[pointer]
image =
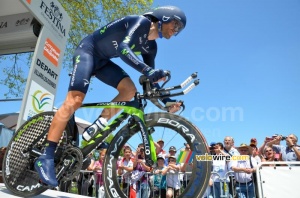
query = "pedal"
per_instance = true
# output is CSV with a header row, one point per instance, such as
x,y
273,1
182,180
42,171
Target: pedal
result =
x,y
45,185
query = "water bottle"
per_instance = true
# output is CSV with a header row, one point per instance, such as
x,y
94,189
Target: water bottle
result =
x,y
90,131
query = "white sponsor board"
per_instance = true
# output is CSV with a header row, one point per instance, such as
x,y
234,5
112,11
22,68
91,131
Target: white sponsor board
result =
x,y
39,100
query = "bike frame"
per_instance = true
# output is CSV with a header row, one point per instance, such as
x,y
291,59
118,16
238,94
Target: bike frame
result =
x,y
135,109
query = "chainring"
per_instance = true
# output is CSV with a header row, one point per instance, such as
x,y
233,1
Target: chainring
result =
x,y
70,155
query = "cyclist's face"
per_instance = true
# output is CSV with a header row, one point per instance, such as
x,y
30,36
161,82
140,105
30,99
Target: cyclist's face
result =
x,y
169,29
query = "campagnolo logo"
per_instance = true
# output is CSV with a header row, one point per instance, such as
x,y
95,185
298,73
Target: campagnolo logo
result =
x,y
110,169
28,188
7,171
53,13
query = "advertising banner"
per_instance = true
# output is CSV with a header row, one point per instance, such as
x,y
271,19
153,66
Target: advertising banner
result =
x,y
47,59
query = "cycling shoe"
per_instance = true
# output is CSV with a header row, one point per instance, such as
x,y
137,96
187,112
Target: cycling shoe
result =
x,y
46,171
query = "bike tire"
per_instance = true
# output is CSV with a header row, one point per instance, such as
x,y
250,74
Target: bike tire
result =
x,y
18,170
201,169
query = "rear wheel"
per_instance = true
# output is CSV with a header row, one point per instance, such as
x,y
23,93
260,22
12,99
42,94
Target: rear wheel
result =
x,y
18,165
161,123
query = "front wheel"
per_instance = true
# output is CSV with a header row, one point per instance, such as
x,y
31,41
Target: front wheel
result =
x,y
161,123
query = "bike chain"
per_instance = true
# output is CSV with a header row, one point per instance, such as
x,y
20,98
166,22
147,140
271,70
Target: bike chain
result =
x,y
73,153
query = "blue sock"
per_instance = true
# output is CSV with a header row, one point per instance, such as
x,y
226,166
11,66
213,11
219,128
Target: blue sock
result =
x,y
50,149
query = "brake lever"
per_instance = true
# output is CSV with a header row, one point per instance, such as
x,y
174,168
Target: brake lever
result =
x,y
168,74
182,105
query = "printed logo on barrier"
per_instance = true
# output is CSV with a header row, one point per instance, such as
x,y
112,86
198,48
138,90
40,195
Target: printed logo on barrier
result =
x,y
53,14
39,100
51,52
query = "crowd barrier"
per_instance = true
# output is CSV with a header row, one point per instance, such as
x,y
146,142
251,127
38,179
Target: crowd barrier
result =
x,y
273,180
277,180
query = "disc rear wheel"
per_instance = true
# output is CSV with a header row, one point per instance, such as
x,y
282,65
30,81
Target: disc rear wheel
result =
x,y
18,165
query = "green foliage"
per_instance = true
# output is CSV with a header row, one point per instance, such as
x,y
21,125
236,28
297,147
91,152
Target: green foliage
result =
x,y
14,76
87,16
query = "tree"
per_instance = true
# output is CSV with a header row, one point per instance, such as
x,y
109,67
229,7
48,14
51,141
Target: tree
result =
x,y
87,16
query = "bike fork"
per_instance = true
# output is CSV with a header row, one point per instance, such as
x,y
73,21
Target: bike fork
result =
x,y
150,155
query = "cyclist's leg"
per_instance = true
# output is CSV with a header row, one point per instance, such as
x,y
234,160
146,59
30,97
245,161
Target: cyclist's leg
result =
x,y
111,74
83,62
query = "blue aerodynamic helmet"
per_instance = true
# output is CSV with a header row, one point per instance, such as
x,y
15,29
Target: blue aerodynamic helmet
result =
x,y
166,14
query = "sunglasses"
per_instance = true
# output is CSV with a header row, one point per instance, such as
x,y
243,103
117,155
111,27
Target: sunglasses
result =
x,y
244,150
178,26
268,150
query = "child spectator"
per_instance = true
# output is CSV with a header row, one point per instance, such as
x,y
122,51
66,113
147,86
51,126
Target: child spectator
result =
x,y
98,171
160,178
172,151
139,182
125,168
173,182
159,145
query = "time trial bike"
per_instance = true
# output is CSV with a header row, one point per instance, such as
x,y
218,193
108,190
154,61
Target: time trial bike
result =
x,y
28,143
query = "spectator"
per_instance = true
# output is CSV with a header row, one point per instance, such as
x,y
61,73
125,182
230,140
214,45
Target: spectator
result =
x,y
97,168
172,151
186,168
244,170
266,141
173,182
229,146
160,178
187,147
125,168
230,150
290,152
159,145
219,169
139,182
269,154
255,151
86,180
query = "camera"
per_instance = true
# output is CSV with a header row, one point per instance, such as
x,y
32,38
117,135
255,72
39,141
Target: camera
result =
x,y
212,147
283,138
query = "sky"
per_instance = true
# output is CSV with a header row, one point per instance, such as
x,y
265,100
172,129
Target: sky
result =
x,y
247,55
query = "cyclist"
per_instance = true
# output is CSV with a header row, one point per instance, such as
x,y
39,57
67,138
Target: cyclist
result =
x,y
126,38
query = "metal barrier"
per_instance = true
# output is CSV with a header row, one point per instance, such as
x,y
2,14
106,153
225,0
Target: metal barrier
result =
x,y
272,181
278,179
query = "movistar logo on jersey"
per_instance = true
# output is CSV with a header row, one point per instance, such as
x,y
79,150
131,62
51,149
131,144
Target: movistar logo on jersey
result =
x,y
77,59
127,39
39,163
124,52
102,31
135,52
